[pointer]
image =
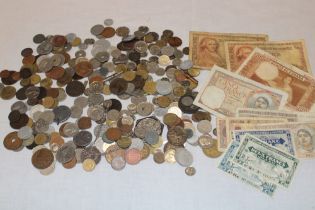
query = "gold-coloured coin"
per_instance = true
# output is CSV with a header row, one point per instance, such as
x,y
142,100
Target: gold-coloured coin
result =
x,y
150,87
48,102
171,119
129,75
124,142
190,171
88,164
194,72
179,91
25,82
76,42
121,68
163,101
30,122
35,79
56,103
143,73
41,138
8,92
142,67
170,156
213,151
145,151
46,83
164,60
106,90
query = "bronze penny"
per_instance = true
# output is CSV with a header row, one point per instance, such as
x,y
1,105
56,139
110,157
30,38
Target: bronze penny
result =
x,y
199,115
52,92
118,86
42,158
55,73
12,141
113,134
177,136
21,122
75,88
175,41
108,32
14,116
5,73
84,68
84,123
59,41
158,157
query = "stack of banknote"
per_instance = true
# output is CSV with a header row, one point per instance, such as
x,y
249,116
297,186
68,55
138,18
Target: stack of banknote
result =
x,y
263,96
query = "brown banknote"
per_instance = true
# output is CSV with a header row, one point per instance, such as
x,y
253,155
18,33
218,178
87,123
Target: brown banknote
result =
x,y
268,70
226,127
303,136
207,49
223,92
293,52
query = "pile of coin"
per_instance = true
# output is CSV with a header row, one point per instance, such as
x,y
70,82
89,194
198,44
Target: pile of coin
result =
x,y
146,70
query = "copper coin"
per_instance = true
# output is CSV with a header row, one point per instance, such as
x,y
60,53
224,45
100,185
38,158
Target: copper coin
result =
x,y
27,52
21,122
12,141
177,136
75,88
5,73
8,92
108,32
84,123
175,41
84,68
55,73
42,158
113,134
133,156
59,41
70,164
158,157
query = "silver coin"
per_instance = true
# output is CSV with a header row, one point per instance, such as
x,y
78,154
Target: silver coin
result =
x,y
99,144
95,99
176,62
70,129
66,152
160,111
62,113
45,64
48,116
147,124
91,153
145,108
44,48
71,37
58,59
102,56
36,116
62,94
155,50
185,65
178,53
96,112
183,157
206,141
28,141
108,22
115,53
99,130
41,126
141,46
83,46
76,111
164,87
19,106
25,132
97,29
160,72
78,152
118,163
167,50
151,137
82,139
204,126
152,67
136,143
81,101
32,92
170,73
113,115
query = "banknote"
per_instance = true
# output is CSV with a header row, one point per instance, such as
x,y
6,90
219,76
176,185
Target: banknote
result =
x,y
207,49
245,175
223,92
280,138
293,52
303,135
239,123
265,160
289,115
268,70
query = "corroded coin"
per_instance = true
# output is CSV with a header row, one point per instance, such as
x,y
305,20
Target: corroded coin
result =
x,y
176,136
158,157
75,88
42,158
82,139
190,171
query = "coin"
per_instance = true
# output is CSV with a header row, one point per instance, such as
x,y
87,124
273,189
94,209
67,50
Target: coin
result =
x,y
170,156
205,141
12,141
183,157
42,158
133,156
213,151
176,136
204,126
70,164
82,139
118,163
158,157
190,171
62,113
144,108
113,134
151,137
8,92
84,123
75,88
66,152
88,165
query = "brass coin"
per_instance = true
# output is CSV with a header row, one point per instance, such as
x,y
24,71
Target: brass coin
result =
x,y
194,72
12,141
48,102
170,156
88,164
129,75
41,138
8,92
35,79
171,119
124,142
150,87
213,151
190,171
163,101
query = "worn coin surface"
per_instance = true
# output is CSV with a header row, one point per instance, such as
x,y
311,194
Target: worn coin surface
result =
x,y
42,158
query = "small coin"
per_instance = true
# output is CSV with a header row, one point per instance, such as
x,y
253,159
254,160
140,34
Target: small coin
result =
x,y
42,158
66,152
205,141
84,123
213,151
204,126
8,92
118,163
170,156
88,165
190,171
113,134
145,108
12,141
151,137
158,157
82,139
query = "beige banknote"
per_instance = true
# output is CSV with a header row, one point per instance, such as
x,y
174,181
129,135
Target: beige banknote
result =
x,y
268,70
207,49
293,52
303,134
223,92
239,123
289,115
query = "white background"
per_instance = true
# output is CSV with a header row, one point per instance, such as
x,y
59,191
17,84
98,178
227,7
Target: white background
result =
x,y
147,185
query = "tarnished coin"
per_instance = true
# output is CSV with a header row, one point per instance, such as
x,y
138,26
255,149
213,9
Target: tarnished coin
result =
x,y
190,171
25,132
164,87
176,136
62,113
84,123
81,101
70,129
8,92
151,137
183,157
66,152
75,88
158,156
82,139
118,163
42,158
145,108
170,156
